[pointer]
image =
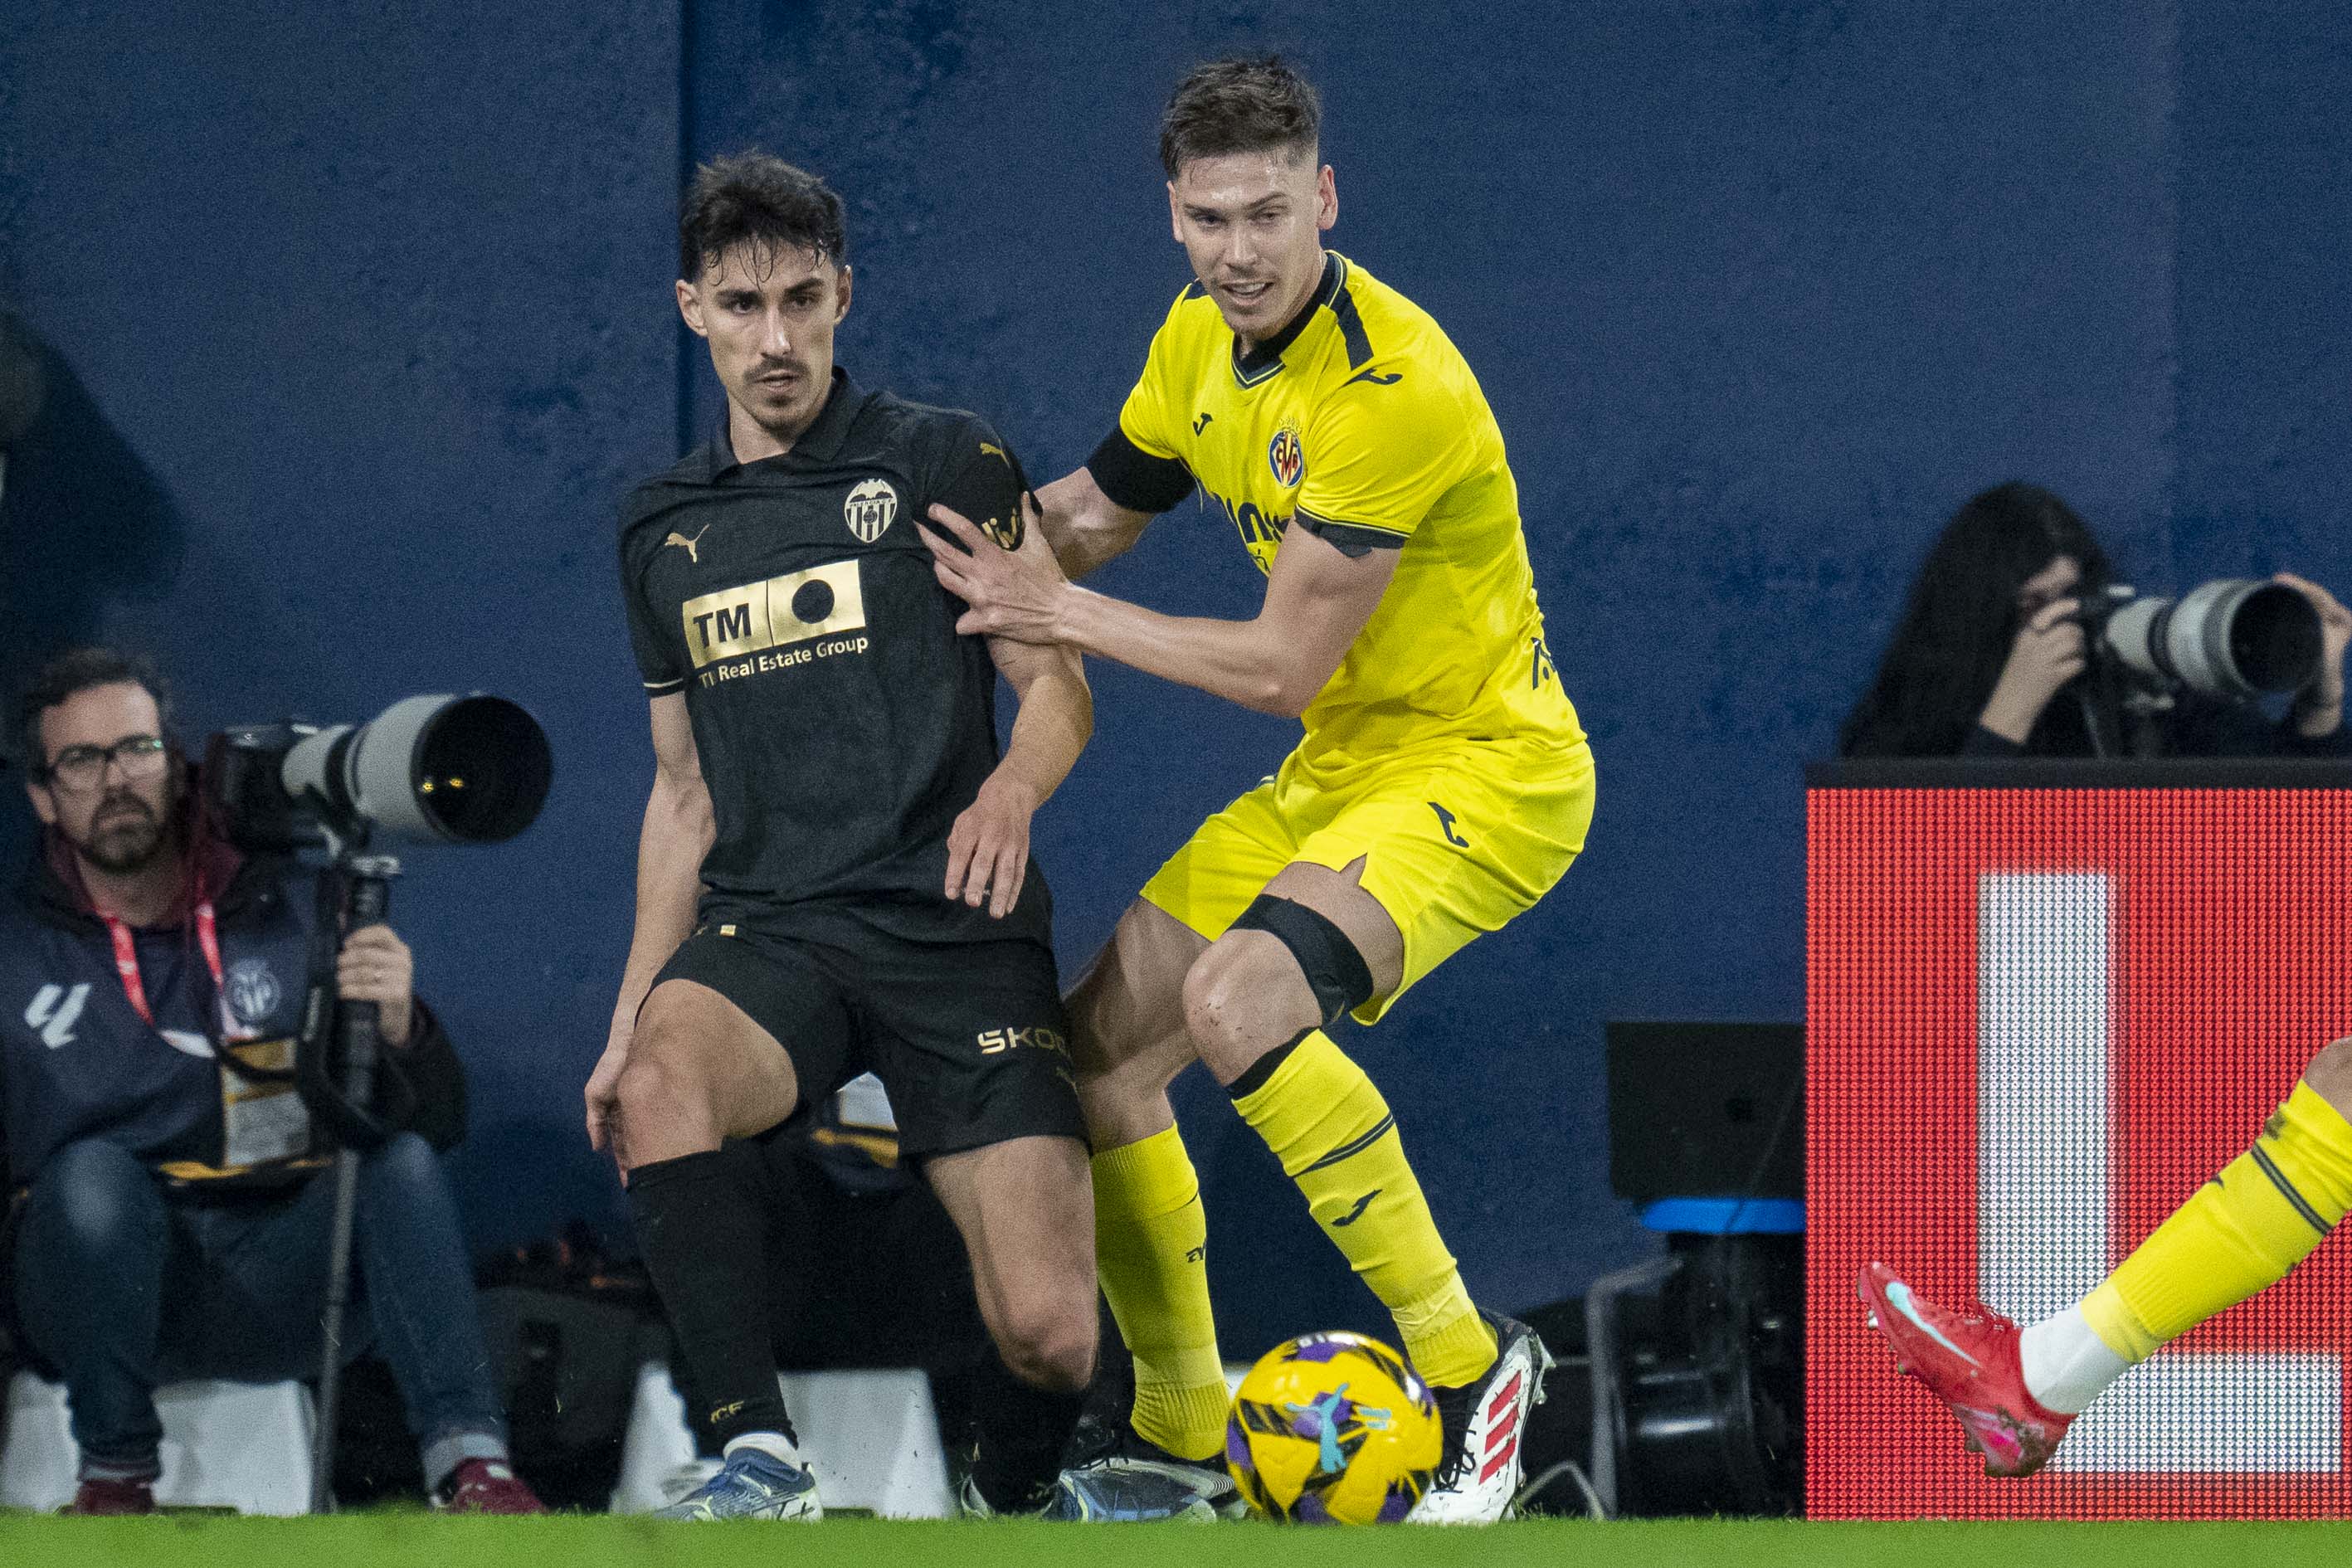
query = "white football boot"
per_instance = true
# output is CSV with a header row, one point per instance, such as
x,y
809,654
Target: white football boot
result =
x,y
1479,1473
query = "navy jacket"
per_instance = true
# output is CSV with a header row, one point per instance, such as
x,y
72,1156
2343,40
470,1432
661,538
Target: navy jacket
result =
x,y
76,1061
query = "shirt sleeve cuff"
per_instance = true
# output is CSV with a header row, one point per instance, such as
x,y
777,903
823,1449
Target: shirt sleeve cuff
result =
x,y
1352,540
1134,478
1983,742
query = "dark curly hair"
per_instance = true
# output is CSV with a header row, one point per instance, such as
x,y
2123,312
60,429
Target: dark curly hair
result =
x,y
1961,620
757,196
1239,106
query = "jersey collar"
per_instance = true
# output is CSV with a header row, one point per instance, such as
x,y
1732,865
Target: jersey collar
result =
x,y
818,444
1264,361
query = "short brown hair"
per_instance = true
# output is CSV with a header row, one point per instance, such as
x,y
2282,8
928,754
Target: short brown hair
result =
x,y
1239,106
757,196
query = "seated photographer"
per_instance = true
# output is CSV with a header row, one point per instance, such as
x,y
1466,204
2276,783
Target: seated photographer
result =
x,y
167,1223
1993,658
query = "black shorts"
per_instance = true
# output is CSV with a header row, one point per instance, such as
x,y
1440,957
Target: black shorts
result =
x,y
969,1038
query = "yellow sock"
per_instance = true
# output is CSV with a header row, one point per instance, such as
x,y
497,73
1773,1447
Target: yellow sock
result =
x,y
2239,1235
1333,1132
1150,1241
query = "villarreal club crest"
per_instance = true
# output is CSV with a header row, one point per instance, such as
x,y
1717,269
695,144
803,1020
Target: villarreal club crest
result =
x,y
1333,1428
1287,456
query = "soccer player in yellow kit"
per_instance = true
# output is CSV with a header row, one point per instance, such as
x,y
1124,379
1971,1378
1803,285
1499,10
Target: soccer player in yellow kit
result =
x,y
1442,786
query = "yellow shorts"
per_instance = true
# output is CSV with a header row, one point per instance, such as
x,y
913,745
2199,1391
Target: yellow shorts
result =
x,y
1454,843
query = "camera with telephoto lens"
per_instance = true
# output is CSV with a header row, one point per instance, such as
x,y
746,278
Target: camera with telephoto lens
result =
x,y
2235,638
447,769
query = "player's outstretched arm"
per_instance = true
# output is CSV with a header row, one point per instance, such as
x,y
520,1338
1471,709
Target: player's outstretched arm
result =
x,y
988,848
677,832
1317,599
1086,527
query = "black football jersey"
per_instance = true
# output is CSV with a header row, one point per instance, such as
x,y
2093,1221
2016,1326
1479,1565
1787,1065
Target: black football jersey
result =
x,y
842,721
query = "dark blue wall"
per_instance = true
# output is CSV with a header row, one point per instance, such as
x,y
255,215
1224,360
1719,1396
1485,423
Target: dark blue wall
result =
x,y
359,331
367,319
2264,440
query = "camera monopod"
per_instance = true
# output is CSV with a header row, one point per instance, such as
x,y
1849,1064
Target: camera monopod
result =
x,y
367,883
440,769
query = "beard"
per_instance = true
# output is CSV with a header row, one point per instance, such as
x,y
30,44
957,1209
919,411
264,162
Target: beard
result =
x,y
126,835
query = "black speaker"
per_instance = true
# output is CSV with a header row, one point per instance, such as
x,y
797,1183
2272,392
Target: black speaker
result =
x,y
1706,1111
1697,1355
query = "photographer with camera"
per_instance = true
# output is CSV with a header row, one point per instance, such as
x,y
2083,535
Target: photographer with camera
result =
x,y
167,1223
2015,642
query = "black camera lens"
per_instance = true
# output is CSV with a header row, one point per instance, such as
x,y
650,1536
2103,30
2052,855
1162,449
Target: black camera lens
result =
x,y
2275,638
482,770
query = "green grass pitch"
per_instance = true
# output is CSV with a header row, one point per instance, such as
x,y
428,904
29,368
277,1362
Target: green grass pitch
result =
x,y
383,1540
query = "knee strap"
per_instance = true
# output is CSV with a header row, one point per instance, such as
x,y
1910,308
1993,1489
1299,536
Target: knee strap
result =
x,y
1335,971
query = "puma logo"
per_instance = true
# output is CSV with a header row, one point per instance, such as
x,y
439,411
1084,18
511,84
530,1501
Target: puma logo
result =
x,y
991,449
687,544
1201,422
1357,1213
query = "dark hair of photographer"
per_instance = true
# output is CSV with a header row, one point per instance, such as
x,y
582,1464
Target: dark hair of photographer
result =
x,y
1989,655
2007,560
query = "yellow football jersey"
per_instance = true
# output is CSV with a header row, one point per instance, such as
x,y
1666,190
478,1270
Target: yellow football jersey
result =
x,y
1362,422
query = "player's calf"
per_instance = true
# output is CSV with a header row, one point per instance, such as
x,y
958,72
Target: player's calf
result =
x,y
2329,1074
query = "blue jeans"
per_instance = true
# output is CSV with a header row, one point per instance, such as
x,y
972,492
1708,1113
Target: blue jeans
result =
x,y
122,1284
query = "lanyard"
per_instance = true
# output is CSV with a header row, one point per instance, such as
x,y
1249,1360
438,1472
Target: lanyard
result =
x,y
126,966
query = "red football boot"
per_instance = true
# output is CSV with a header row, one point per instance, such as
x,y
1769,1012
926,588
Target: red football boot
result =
x,y
1969,1360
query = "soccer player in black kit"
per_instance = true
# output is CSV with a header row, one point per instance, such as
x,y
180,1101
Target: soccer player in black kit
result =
x,y
833,870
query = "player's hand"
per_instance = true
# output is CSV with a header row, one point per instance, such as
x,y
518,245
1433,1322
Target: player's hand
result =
x,y
988,847
375,967
1015,590
2326,693
603,1092
2050,651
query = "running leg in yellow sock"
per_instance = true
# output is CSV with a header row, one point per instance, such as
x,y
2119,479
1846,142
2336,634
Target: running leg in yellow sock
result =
x,y
1335,1137
1150,1243
2239,1235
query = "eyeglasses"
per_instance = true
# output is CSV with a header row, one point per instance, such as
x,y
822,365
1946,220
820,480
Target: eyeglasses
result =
x,y
80,768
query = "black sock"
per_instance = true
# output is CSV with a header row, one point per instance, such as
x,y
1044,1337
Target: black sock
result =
x,y
1022,1430
704,1233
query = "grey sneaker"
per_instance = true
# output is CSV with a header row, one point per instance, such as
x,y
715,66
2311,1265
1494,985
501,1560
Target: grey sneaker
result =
x,y
751,1484
1136,1481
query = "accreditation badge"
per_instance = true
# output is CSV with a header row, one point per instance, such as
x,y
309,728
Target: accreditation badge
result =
x,y
263,1120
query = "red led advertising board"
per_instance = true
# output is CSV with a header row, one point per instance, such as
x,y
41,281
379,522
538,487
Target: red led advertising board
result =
x,y
2038,1018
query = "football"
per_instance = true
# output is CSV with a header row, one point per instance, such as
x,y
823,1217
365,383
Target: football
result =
x,y
1333,1428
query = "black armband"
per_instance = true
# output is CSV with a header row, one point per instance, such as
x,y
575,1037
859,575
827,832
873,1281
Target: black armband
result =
x,y
1133,478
